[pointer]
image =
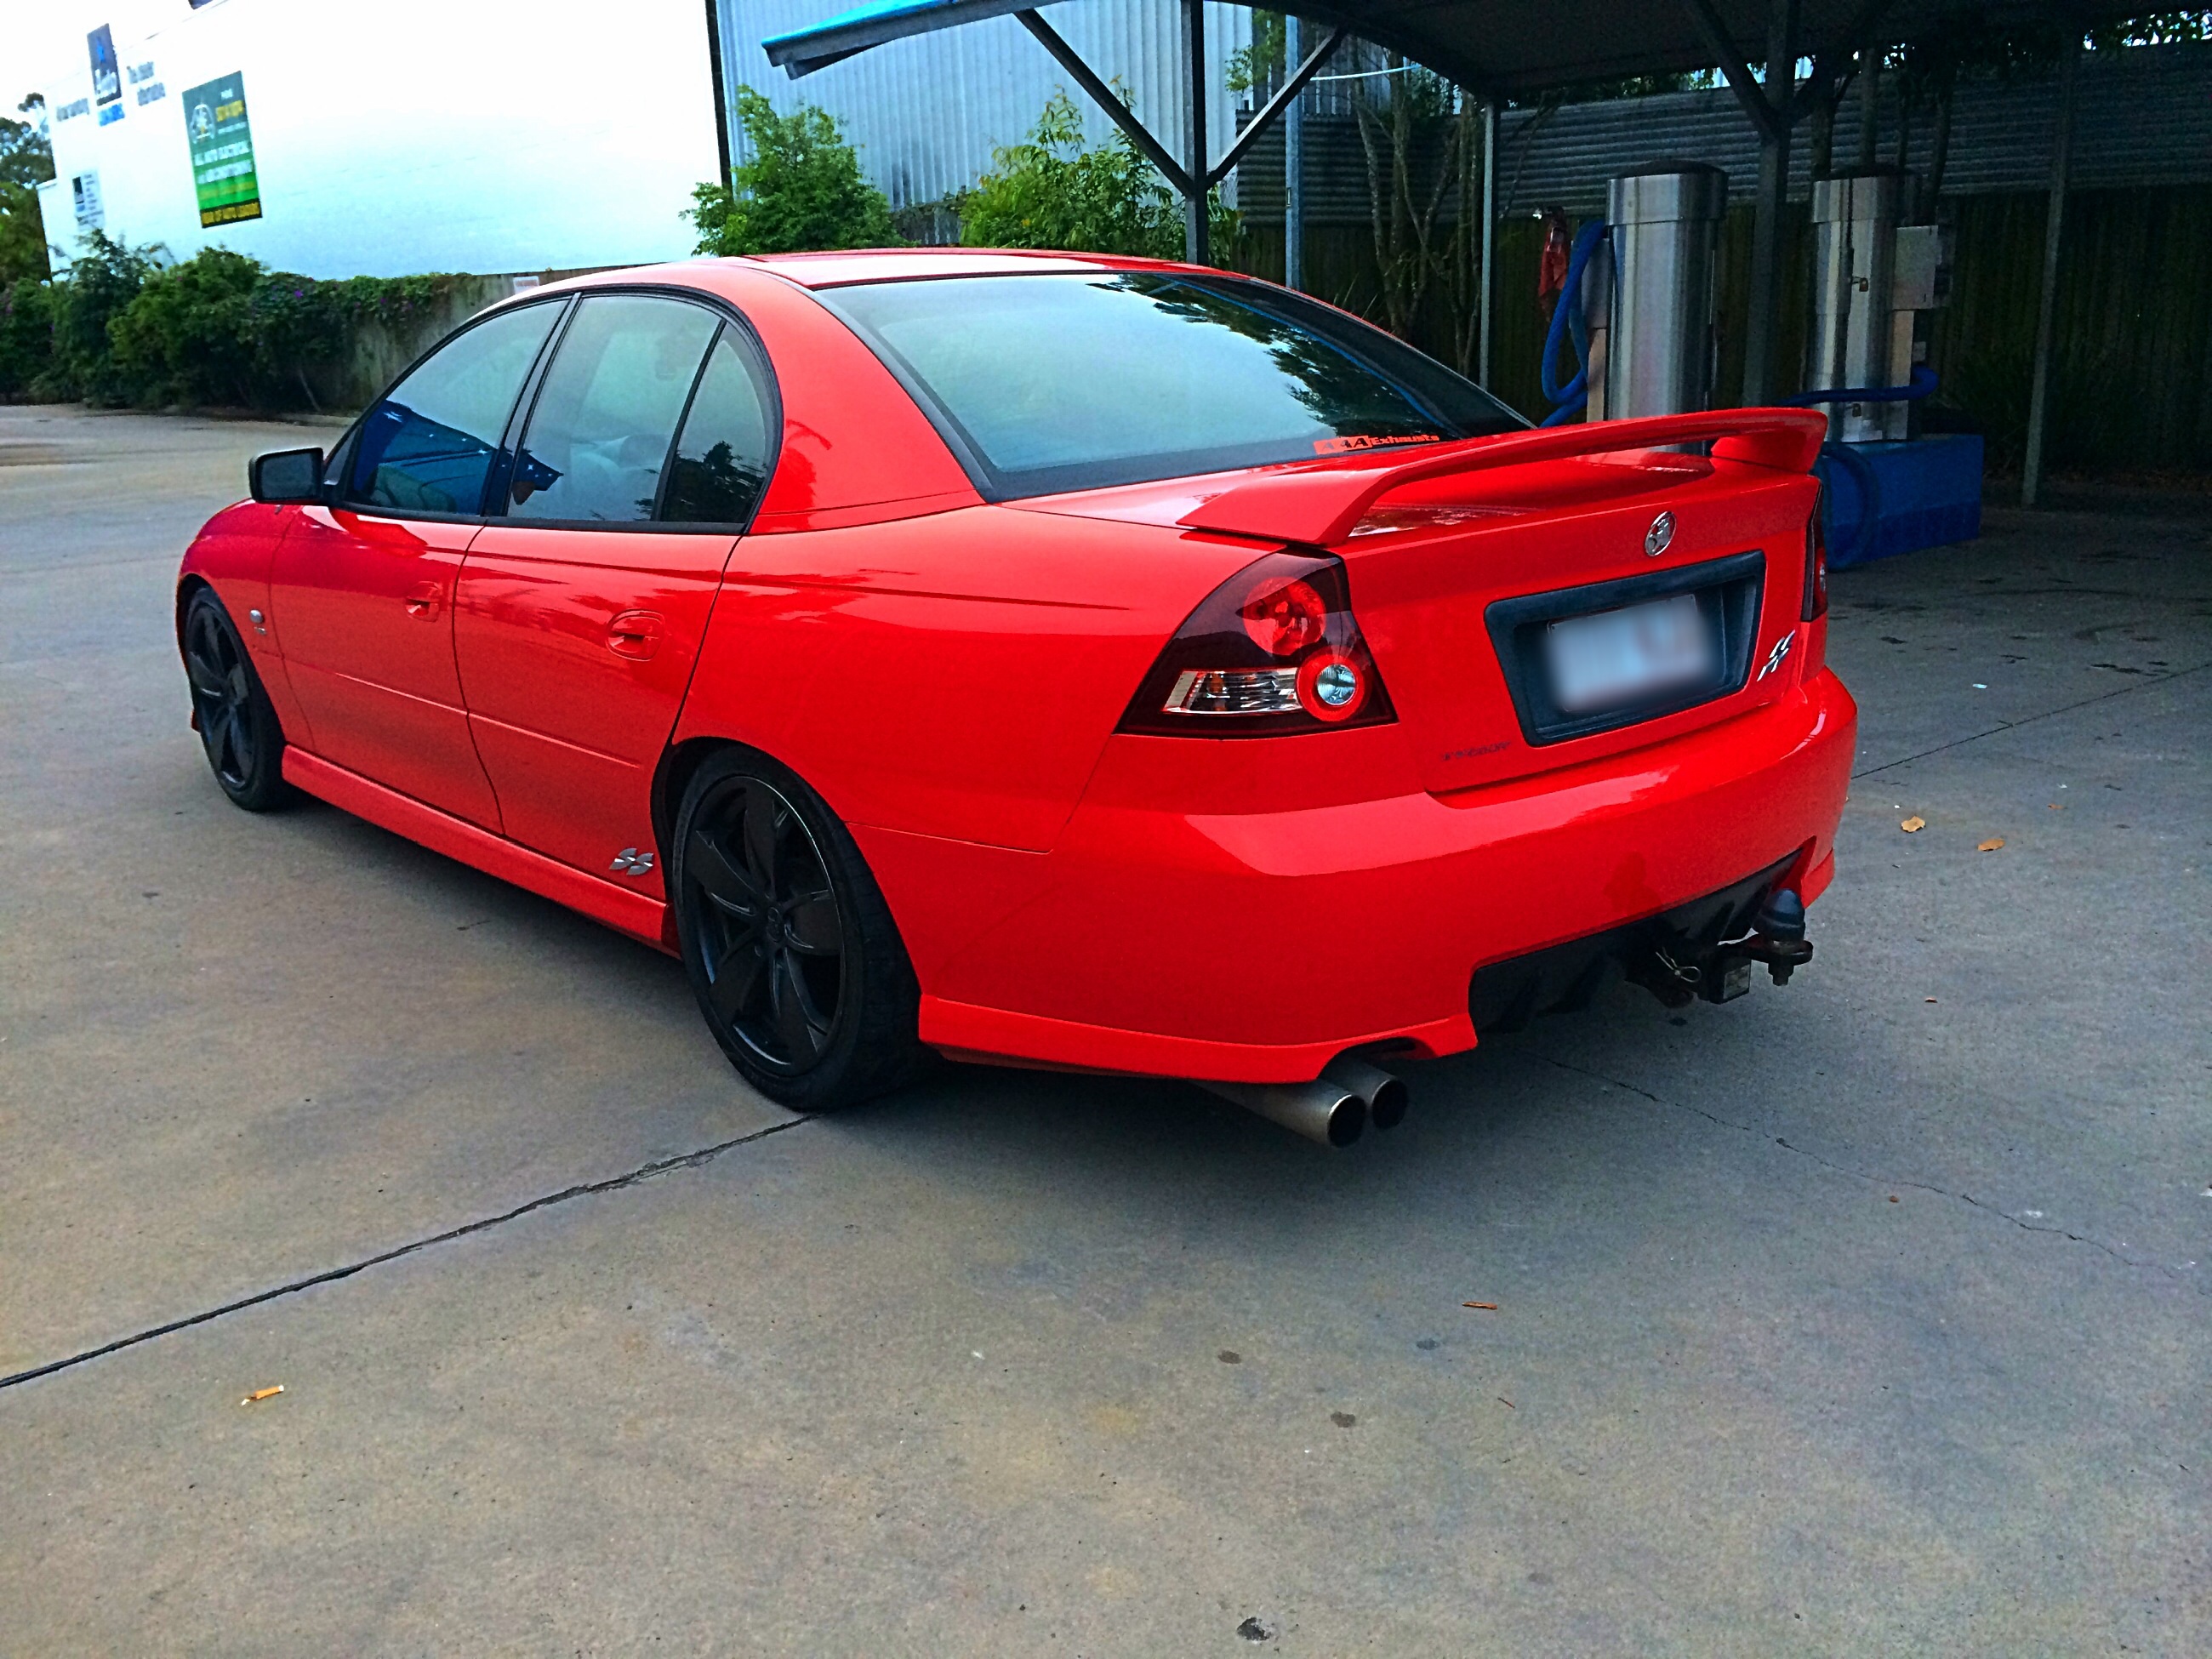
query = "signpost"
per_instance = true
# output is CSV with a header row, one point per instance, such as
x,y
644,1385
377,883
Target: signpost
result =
x,y
223,152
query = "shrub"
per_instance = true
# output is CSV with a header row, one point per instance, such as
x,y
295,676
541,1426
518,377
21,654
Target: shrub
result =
x,y
122,327
186,335
801,191
1053,192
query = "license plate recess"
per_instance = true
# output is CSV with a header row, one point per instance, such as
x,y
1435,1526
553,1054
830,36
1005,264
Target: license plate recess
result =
x,y
1609,616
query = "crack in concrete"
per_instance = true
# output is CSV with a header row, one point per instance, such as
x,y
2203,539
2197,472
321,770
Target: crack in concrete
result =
x,y
644,1172
2048,714
1884,1182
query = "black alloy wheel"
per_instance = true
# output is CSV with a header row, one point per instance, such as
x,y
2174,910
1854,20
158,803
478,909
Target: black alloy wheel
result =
x,y
787,941
238,726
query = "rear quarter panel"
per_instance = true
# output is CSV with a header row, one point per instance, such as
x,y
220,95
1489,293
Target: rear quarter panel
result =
x,y
955,676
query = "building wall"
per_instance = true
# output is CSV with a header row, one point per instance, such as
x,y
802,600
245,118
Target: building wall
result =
x,y
407,135
926,112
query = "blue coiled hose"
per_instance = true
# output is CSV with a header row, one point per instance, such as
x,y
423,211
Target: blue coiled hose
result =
x,y
1567,319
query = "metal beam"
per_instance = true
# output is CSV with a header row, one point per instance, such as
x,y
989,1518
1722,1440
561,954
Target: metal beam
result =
x,y
1275,106
1108,100
1753,97
2062,148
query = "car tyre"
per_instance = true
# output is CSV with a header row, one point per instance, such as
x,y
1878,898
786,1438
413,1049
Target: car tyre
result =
x,y
237,724
790,947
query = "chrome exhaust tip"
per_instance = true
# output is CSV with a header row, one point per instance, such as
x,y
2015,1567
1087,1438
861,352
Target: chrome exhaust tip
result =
x,y
1328,1113
1385,1096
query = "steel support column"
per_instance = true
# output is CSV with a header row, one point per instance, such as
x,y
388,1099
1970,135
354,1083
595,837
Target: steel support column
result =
x,y
2061,156
1294,173
1763,322
1197,241
1489,300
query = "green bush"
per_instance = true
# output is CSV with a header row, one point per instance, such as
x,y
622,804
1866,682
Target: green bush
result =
x,y
102,282
802,189
186,335
122,326
1053,192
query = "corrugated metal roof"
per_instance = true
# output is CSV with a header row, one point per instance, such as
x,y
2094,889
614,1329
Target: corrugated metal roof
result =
x,y
926,112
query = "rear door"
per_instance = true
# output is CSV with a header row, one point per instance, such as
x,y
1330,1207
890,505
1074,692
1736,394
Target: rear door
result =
x,y
582,603
361,593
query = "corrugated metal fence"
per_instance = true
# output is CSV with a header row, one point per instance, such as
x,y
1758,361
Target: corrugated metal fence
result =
x,y
2143,116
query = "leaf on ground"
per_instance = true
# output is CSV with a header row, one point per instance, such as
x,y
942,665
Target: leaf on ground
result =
x,y
1913,824
1990,845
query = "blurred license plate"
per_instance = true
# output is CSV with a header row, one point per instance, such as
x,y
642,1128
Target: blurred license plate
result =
x,y
1628,655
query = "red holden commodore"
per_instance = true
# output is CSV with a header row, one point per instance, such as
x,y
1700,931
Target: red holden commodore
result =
x,y
1049,661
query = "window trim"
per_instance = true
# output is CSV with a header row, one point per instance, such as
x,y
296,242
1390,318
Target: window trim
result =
x,y
342,453
996,486
734,322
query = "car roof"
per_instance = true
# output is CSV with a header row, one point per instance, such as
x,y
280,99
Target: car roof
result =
x,y
832,269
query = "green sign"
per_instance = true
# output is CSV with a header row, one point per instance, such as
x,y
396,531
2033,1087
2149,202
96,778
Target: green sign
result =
x,y
223,152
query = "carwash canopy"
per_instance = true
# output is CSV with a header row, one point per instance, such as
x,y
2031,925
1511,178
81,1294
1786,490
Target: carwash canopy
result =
x,y
1498,50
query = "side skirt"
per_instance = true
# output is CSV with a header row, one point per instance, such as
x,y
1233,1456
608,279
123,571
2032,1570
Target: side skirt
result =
x,y
642,918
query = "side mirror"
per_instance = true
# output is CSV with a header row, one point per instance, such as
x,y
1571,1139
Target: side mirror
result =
x,y
287,475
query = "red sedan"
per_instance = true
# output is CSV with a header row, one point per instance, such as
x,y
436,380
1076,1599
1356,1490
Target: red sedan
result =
x,y
1050,660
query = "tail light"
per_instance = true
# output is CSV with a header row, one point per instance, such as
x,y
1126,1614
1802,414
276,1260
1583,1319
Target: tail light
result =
x,y
1273,650
1816,563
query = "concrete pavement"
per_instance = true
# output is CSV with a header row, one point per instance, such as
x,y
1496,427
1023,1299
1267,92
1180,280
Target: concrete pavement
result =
x,y
1834,1319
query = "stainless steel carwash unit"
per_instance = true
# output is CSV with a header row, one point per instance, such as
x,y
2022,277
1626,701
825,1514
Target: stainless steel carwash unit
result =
x,y
1652,303
1871,278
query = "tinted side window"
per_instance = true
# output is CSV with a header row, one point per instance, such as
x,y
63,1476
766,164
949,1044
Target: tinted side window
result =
x,y
722,459
430,444
606,415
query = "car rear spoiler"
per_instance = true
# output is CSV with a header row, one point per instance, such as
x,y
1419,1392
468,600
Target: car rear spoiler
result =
x,y
1320,502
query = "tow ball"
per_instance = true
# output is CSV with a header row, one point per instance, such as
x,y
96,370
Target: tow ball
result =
x,y
1724,973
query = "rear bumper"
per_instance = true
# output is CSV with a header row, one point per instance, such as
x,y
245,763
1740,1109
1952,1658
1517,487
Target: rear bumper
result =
x,y
1256,947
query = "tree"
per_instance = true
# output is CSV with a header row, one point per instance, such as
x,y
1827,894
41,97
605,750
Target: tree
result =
x,y
26,160
104,278
1052,191
1413,149
802,189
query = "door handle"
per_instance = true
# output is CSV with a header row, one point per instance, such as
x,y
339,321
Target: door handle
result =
x,y
422,601
635,635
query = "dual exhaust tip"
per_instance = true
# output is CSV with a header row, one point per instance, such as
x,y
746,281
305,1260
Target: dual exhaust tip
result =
x,y
1335,1110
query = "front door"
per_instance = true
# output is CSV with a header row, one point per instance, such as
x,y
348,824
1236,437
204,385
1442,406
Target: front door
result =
x,y
582,602
361,592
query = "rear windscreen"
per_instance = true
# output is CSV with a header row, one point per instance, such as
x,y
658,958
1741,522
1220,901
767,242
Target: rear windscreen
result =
x,y
1069,382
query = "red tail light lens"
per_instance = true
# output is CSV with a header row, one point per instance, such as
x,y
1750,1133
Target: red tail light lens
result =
x,y
1284,618
1273,650
1816,564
